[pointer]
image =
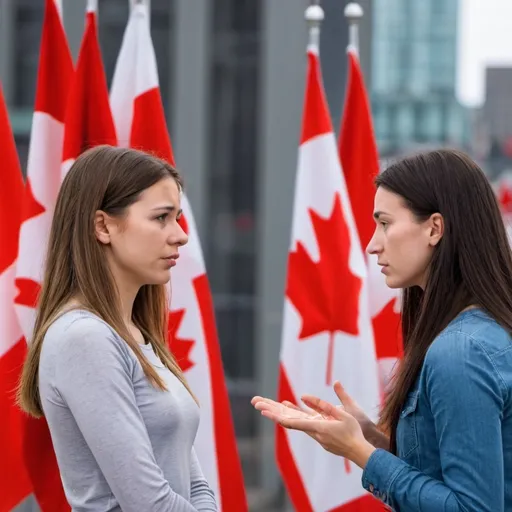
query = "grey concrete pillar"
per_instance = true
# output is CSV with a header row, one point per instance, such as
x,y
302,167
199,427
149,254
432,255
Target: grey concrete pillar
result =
x,y
190,100
6,48
282,96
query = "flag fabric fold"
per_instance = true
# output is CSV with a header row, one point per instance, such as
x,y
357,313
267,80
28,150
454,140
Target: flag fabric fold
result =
x,y
327,332
140,123
15,484
88,121
360,164
43,180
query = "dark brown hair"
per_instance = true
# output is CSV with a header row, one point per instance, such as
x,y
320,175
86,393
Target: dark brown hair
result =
x,y
471,265
109,179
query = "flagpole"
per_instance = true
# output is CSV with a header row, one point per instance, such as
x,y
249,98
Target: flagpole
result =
x,y
314,16
133,3
92,6
353,13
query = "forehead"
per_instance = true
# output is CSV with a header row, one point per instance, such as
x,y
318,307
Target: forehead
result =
x,y
388,202
165,191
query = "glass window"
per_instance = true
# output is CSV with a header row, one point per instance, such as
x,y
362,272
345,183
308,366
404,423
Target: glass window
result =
x,y
28,16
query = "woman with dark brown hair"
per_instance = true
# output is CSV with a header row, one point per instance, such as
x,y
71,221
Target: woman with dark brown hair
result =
x,y
121,415
444,440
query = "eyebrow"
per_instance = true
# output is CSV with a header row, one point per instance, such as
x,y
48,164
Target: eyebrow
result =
x,y
168,208
377,214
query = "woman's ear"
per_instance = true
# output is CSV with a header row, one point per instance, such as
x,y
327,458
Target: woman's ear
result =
x,y
436,228
101,227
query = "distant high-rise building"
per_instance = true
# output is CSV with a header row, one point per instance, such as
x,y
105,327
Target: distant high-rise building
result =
x,y
414,73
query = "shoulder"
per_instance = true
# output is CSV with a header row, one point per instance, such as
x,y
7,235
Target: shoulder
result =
x,y
467,350
472,333
82,336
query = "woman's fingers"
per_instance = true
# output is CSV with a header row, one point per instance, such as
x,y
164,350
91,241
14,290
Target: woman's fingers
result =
x,y
322,407
257,399
306,425
343,396
292,406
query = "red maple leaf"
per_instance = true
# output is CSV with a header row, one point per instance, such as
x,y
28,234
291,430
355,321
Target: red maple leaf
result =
x,y
505,198
28,289
387,332
325,293
31,207
179,347
28,292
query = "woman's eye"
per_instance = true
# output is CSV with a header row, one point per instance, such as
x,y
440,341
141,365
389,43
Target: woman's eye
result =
x,y
162,217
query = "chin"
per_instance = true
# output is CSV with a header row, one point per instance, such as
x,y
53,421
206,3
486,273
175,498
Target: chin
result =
x,y
163,278
394,283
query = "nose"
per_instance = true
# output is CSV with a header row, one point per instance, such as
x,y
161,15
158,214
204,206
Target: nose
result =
x,y
374,246
178,235
182,237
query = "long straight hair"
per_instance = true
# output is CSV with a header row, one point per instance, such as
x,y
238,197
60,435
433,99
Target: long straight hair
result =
x,y
108,179
471,265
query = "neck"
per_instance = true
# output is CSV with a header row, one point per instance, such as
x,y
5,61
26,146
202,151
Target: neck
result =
x,y
127,298
127,289
127,293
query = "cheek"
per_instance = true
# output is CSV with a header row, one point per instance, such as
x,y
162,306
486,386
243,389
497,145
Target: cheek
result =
x,y
138,241
408,246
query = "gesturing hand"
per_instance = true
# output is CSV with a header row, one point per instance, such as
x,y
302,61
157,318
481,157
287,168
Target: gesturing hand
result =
x,y
267,407
333,428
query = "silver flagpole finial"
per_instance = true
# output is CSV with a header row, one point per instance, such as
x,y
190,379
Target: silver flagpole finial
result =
x,y
314,16
353,13
133,3
92,6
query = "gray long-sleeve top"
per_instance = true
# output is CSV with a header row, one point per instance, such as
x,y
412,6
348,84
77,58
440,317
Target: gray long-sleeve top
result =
x,y
121,444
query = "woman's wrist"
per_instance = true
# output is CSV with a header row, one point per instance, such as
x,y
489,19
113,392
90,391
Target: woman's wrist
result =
x,y
361,453
374,436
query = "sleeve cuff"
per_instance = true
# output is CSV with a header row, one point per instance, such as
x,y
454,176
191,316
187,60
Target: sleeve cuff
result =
x,y
380,472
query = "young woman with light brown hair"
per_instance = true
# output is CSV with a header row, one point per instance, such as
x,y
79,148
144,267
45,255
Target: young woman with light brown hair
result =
x,y
121,415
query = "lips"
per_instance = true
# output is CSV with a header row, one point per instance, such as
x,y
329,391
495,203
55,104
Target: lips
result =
x,y
171,260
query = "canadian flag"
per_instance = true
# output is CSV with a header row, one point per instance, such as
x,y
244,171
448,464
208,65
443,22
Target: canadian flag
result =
x,y
504,195
360,163
14,481
140,123
88,119
327,333
42,186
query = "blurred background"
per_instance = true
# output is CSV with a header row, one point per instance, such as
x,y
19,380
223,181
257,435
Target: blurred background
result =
x,y
232,72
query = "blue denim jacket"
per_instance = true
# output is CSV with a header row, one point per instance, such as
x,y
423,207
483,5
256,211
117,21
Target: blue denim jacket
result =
x,y
454,437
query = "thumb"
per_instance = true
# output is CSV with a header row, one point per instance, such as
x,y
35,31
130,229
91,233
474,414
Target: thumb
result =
x,y
343,396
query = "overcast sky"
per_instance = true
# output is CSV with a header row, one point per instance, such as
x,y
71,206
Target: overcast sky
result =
x,y
485,38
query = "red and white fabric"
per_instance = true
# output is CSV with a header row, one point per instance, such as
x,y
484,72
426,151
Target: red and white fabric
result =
x,y
140,123
42,186
327,332
504,195
360,163
15,484
88,120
